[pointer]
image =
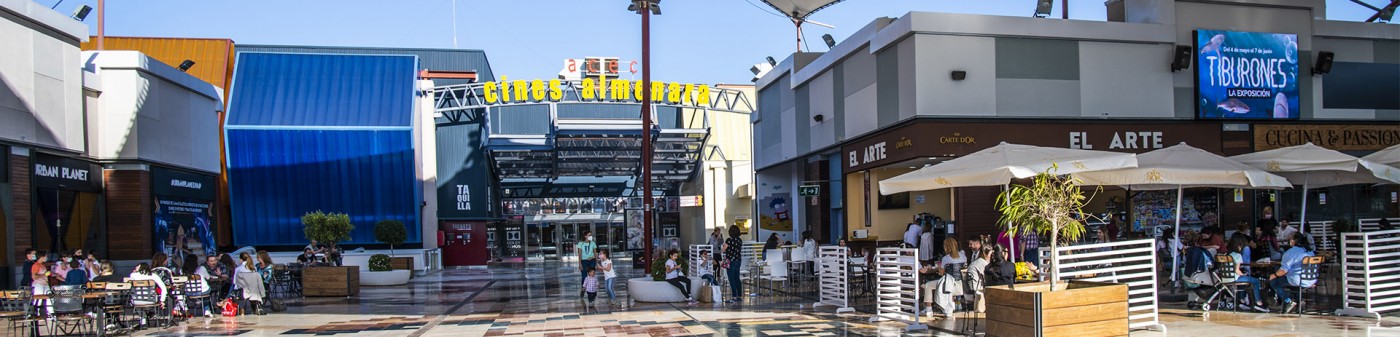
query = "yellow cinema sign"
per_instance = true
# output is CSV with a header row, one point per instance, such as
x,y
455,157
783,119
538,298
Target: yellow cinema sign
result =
x,y
522,91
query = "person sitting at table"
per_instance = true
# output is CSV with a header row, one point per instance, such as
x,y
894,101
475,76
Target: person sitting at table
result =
x,y
211,269
772,243
76,276
143,272
841,242
1238,246
999,270
949,281
976,272
160,268
308,257
1212,239
1290,271
1286,230
61,268
264,265
106,273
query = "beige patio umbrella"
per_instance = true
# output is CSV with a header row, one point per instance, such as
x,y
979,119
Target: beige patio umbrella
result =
x,y
1315,166
999,165
1182,166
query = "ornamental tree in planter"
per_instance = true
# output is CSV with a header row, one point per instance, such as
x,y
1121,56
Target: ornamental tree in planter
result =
x,y
381,272
391,232
327,227
329,281
1050,204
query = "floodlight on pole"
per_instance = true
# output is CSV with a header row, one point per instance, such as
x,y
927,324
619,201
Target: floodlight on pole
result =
x,y
830,41
185,66
82,12
1043,7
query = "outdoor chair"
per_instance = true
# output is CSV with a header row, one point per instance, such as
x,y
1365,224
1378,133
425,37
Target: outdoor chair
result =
x,y
798,262
18,309
176,297
775,270
1308,271
94,286
1227,287
197,297
68,315
145,302
115,303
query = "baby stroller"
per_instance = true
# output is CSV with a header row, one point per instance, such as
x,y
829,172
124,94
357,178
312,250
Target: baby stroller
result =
x,y
1225,293
1198,276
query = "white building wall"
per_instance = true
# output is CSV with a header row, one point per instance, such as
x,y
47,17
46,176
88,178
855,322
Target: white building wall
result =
x,y
40,77
149,111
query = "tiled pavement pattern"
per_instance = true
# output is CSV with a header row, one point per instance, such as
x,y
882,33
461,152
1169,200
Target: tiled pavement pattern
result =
x,y
541,299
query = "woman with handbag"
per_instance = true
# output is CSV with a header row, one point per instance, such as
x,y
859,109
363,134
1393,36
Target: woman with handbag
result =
x,y
733,262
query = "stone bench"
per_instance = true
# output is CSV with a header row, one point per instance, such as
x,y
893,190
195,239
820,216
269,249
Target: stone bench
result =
x,y
643,289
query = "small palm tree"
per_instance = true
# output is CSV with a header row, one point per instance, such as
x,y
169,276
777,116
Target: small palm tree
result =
x,y
1049,204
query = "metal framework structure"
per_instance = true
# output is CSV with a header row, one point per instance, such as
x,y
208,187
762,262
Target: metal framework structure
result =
x,y
588,147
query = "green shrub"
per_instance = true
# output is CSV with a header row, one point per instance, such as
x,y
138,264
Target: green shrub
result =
x,y
379,262
658,266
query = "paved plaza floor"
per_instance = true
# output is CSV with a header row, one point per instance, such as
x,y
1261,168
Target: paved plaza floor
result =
x,y
541,299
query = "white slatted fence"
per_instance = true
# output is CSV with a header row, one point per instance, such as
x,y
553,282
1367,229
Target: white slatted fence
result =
x,y
1371,273
1124,262
834,268
897,287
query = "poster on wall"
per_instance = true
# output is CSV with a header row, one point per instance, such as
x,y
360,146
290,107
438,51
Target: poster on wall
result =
x,y
1155,211
183,213
775,213
634,229
1246,75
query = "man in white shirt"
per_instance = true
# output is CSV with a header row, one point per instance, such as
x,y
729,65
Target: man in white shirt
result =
x,y
911,235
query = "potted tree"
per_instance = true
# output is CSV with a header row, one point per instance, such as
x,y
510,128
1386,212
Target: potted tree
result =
x,y
394,233
1049,205
329,280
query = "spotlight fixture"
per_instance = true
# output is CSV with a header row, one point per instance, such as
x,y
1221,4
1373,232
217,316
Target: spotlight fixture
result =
x,y
1042,8
771,61
830,41
653,5
1323,64
82,12
185,66
1182,58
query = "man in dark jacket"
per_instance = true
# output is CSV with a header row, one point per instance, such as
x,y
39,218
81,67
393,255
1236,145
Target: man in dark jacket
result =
x,y
29,259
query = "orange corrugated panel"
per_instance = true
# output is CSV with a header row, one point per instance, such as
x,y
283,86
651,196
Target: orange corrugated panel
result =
x,y
213,58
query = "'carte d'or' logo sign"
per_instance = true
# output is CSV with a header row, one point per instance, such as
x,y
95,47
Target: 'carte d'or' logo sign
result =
x,y
602,89
957,138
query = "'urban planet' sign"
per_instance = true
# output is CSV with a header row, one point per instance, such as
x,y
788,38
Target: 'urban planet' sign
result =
x,y
1244,75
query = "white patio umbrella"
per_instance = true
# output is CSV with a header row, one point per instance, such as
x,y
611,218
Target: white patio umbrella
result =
x,y
1315,166
1389,156
1182,166
998,165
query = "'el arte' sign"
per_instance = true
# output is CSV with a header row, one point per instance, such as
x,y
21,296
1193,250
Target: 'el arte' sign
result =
x,y
1337,137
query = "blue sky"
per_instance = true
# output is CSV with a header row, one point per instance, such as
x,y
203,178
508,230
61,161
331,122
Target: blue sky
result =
x,y
698,41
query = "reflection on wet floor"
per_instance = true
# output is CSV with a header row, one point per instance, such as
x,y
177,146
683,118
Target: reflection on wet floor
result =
x,y
541,299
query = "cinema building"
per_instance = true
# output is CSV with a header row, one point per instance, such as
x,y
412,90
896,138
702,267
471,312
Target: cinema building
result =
x,y
1230,77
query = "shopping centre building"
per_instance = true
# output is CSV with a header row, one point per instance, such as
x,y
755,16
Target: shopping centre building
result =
x,y
1230,77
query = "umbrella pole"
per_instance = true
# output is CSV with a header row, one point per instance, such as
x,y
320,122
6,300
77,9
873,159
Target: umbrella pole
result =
x,y
1303,217
1010,236
1176,234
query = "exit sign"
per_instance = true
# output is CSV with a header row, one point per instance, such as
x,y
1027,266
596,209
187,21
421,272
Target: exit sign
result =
x,y
809,190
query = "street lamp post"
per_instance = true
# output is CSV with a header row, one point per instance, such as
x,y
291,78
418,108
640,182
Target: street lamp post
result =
x,y
646,8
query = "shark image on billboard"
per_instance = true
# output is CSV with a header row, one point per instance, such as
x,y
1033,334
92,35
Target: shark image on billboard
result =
x,y
1245,75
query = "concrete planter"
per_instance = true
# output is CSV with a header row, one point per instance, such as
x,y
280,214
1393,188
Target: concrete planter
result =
x,y
1073,309
643,289
385,278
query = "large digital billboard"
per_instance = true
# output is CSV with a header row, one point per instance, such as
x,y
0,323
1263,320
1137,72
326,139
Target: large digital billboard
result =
x,y
1245,75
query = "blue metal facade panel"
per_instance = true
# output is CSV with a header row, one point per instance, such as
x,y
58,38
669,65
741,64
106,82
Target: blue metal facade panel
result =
x,y
322,90
428,58
275,176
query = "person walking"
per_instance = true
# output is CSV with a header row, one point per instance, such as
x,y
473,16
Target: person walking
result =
x,y
586,256
733,261
605,264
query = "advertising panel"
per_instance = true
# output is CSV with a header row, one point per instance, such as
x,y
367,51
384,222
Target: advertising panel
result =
x,y
1245,75
183,213
464,185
